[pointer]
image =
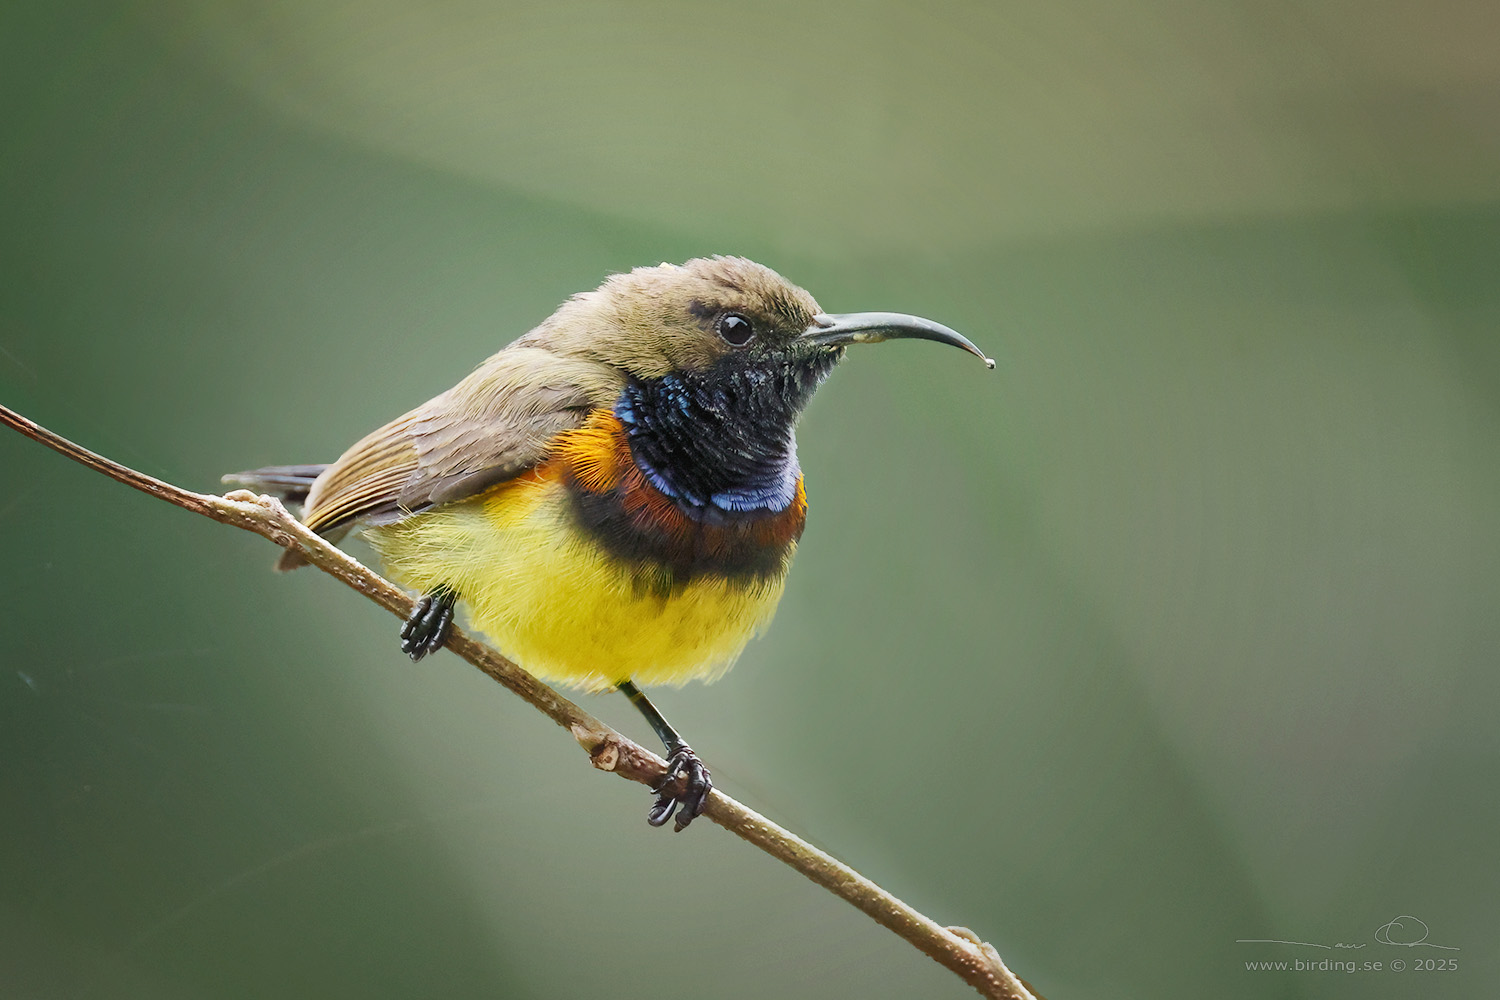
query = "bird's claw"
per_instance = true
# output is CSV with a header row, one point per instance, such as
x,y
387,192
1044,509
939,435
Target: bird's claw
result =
x,y
683,790
429,625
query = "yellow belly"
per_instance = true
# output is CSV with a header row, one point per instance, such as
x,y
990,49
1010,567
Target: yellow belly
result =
x,y
556,603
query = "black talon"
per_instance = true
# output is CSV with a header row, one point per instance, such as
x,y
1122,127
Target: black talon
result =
x,y
662,811
429,625
696,784
684,788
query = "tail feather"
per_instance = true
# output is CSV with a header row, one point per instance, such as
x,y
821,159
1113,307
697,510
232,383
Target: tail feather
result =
x,y
289,482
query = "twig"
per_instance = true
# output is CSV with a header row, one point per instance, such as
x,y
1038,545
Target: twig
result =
x,y
956,948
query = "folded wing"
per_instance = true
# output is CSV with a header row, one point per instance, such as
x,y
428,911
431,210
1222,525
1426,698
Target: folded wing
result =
x,y
492,426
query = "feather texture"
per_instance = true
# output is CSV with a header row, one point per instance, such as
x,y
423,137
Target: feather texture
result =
x,y
495,424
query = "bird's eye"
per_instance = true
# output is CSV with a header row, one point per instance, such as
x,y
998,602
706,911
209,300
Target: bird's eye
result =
x,y
735,329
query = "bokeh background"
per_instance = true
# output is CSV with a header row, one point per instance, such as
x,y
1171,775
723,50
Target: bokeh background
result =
x,y
1180,628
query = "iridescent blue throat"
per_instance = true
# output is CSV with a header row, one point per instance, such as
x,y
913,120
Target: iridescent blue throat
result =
x,y
720,442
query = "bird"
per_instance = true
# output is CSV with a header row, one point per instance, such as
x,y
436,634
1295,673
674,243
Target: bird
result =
x,y
614,497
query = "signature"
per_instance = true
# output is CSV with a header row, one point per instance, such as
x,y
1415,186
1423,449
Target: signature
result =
x,y
1409,932
1405,931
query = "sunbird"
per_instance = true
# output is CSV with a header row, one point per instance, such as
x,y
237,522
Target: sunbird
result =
x,y
615,496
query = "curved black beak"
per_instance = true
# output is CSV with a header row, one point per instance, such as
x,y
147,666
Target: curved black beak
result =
x,y
873,327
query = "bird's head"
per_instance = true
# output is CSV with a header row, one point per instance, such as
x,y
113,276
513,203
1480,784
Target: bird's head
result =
x,y
713,313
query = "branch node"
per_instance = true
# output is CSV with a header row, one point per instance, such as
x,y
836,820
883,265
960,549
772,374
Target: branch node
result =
x,y
967,935
603,751
991,957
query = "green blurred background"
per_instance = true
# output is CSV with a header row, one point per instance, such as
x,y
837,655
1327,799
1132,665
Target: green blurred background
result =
x,y
1181,628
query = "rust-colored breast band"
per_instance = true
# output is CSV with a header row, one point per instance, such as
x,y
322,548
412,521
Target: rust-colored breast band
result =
x,y
634,521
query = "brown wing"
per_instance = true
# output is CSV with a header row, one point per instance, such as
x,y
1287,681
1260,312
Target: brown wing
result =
x,y
492,426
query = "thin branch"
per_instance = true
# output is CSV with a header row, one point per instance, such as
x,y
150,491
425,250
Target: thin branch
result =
x,y
956,948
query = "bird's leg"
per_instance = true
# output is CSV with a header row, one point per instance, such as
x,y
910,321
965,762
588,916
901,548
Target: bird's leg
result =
x,y
430,622
681,760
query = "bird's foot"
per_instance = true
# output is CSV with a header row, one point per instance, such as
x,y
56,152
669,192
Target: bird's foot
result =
x,y
430,623
683,790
